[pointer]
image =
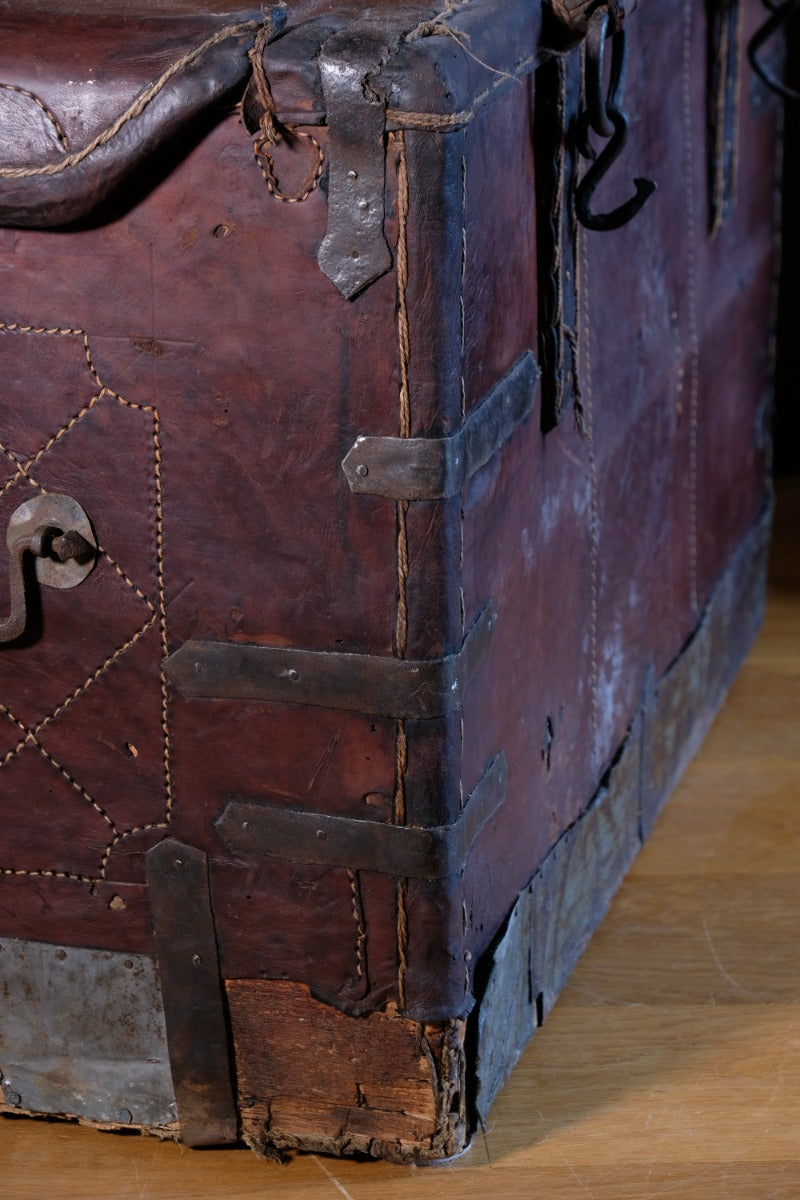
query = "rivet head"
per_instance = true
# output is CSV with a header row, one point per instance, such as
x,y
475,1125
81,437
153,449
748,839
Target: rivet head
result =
x,y
178,862
321,834
362,470
363,205
197,960
293,675
352,174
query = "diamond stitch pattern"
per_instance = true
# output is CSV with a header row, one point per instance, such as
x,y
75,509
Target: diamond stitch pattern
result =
x,y
83,719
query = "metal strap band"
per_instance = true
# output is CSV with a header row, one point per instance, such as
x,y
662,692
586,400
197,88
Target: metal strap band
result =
x,y
373,684
435,468
194,1011
255,828
354,251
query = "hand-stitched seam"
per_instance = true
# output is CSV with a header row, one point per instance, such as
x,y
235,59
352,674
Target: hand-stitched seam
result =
x,y
31,739
47,873
401,620
24,468
162,614
587,423
60,132
358,916
691,291
32,731
126,578
158,612
121,836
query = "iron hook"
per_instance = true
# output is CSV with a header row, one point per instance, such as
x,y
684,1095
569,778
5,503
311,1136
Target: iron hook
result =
x,y
604,222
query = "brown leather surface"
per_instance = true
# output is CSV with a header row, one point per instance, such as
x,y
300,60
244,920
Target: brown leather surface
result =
x,y
637,603
226,380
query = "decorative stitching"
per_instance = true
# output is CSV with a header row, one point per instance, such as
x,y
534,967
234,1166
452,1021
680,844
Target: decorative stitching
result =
x,y
30,733
63,139
23,468
32,740
121,836
126,578
162,613
158,613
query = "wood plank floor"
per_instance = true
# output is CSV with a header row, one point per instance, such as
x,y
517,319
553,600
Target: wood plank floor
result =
x,y
670,1067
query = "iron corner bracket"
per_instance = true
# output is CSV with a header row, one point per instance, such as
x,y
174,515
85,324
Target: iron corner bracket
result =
x,y
368,683
256,828
437,468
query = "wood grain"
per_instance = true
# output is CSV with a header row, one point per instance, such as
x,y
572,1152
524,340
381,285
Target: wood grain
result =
x,y
669,1066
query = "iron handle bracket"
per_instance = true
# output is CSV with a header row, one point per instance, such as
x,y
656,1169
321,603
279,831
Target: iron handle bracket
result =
x,y
56,533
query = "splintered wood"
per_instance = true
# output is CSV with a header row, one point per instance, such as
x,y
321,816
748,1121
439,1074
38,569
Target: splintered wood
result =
x,y
314,1079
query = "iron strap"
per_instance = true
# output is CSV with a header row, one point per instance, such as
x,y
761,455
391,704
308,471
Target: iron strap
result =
x,y
368,683
257,827
354,252
191,989
435,468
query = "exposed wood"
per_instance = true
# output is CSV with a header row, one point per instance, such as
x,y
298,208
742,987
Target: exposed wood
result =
x,y
313,1078
668,1067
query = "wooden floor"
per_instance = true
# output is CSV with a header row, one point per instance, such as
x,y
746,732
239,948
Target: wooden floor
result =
x,y
670,1067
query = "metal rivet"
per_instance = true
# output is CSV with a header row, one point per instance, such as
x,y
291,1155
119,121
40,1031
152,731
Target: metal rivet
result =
x,y
362,470
363,205
292,674
197,960
352,174
178,862
321,834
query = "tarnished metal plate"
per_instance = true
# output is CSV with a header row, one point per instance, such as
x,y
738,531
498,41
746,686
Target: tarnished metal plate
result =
x,y
373,684
197,1033
82,1034
435,468
65,514
354,251
255,828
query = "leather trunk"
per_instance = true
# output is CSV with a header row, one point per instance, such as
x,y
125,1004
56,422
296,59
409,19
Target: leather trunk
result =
x,y
422,528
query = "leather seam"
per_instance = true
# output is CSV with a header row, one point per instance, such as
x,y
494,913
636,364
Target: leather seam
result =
x,y
157,611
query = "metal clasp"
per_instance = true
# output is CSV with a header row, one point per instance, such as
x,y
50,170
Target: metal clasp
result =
x,y
56,533
605,115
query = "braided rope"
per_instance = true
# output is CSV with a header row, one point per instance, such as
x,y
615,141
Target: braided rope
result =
x,y
135,109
